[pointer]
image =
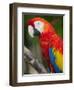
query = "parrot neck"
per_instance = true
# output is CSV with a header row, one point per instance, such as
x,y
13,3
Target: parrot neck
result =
x,y
55,41
46,35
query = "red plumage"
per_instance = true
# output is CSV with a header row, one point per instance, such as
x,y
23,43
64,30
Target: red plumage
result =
x,y
48,39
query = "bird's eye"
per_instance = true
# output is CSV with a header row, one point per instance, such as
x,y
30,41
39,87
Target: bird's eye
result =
x,y
38,23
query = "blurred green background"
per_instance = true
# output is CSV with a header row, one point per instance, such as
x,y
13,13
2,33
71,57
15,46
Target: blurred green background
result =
x,y
33,43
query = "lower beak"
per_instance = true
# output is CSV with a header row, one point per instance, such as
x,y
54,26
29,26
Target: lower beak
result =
x,y
36,32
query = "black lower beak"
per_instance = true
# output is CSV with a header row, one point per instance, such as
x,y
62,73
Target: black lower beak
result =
x,y
36,32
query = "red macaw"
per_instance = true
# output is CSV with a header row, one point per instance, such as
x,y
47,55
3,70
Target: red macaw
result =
x,y
51,44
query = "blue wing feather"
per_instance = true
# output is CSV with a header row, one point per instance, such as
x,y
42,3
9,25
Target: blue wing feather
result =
x,y
52,60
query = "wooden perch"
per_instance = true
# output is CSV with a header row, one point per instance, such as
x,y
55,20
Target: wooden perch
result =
x,y
34,62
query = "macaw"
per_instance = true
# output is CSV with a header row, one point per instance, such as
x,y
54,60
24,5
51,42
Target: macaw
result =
x,y
50,42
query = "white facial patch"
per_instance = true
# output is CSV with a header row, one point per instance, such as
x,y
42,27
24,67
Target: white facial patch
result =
x,y
39,26
31,31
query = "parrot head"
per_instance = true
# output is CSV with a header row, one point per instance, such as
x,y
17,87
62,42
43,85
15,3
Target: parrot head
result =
x,y
37,26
